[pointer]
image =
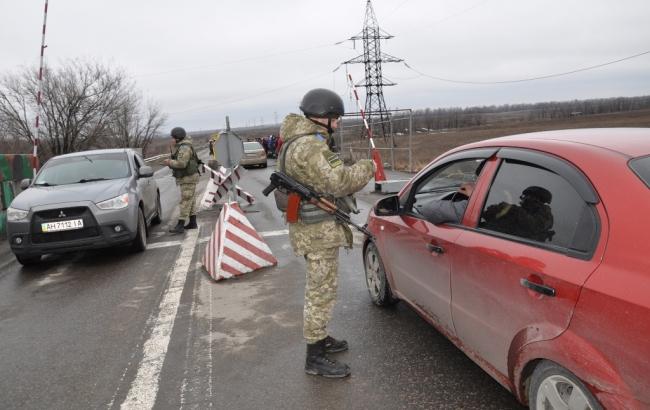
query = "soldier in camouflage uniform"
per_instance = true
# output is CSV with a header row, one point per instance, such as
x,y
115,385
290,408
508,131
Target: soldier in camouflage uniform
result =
x,y
185,168
317,235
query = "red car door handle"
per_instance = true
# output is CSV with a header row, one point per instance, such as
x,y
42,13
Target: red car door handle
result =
x,y
536,287
435,248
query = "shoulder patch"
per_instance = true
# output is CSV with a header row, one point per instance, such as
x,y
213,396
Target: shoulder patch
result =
x,y
333,159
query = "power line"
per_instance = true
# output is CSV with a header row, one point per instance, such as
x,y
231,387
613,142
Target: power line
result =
x,y
461,12
448,17
207,107
242,60
542,77
398,7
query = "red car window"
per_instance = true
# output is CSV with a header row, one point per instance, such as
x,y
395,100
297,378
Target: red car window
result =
x,y
534,204
641,167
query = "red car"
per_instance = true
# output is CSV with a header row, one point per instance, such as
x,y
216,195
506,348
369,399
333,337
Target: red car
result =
x,y
542,274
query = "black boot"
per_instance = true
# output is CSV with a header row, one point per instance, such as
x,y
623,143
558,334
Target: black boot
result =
x,y
179,228
318,363
192,224
334,346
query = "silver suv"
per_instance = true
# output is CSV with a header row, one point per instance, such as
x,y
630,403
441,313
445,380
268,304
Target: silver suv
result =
x,y
85,200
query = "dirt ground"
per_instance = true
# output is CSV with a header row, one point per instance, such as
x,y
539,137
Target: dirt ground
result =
x,y
426,146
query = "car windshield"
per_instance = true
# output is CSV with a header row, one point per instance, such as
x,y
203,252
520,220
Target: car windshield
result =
x,y
83,168
252,146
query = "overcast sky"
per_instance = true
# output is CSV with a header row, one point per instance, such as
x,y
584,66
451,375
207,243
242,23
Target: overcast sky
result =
x,y
253,60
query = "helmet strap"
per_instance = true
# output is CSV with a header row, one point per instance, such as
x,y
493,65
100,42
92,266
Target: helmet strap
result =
x,y
330,131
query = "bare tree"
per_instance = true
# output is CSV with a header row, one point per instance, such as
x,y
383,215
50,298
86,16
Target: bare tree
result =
x,y
132,126
16,107
83,104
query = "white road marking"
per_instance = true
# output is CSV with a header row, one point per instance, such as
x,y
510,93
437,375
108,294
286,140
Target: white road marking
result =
x,y
188,343
211,319
274,233
358,239
163,244
158,245
144,389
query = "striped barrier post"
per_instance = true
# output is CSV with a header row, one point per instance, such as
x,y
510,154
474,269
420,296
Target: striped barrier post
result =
x,y
235,247
220,183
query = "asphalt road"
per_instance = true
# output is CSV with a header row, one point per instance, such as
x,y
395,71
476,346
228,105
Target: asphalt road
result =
x,y
110,329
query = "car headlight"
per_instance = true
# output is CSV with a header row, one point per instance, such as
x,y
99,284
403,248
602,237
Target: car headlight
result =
x,y
15,215
118,202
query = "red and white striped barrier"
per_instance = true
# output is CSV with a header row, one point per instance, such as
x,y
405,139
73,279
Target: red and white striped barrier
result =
x,y
220,183
235,247
380,175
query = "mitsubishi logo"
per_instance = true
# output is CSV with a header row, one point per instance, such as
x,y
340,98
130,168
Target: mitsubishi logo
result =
x,y
61,214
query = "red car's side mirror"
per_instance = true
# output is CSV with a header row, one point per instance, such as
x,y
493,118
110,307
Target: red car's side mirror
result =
x,y
388,206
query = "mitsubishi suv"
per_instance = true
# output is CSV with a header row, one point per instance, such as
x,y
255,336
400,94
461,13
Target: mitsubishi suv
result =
x,y
85,200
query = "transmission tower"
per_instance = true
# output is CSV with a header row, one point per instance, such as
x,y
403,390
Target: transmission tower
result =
x,y
372,59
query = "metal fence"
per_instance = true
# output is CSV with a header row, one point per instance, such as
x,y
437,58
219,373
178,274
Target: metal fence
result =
x,y
395,146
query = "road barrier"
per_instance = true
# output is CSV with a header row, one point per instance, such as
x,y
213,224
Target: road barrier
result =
x,y
13,169
221,182
235,247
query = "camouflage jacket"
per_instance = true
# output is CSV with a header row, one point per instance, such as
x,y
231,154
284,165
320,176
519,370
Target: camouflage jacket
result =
x,y
183,155
310,161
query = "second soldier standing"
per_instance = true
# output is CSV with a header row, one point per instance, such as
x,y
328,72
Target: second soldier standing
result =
x,y
317,235
185,168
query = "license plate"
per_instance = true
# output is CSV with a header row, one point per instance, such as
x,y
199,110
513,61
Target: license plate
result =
x,y
62,225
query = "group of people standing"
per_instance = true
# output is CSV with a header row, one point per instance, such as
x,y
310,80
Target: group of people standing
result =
x,y
271,145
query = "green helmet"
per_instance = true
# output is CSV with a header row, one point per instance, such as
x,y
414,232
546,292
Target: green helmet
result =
x,y
178,133
323,103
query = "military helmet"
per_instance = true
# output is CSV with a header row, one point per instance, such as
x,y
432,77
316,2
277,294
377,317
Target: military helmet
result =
x,y
539,193
178,133
322,103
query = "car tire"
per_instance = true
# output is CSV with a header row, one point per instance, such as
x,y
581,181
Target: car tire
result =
x,y
157,217
139,244
264,165
28,260
554,387
376,281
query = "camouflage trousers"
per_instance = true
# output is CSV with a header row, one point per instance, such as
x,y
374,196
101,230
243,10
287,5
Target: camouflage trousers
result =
x,y
187,205
320,292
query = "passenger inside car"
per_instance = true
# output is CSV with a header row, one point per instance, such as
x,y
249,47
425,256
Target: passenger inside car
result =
x,y
531,218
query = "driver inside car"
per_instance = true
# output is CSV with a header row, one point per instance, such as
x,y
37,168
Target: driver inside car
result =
x,y
449,210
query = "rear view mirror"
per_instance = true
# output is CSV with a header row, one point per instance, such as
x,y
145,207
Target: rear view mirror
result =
x,y
145,171
24,184
388,206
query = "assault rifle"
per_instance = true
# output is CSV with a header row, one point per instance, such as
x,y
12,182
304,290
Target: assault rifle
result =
x,y
282,180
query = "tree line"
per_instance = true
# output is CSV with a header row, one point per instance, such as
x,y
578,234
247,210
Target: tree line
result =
x,y
85,105
456,117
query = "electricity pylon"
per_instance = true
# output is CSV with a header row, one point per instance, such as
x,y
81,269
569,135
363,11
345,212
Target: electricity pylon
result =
x,y
372,59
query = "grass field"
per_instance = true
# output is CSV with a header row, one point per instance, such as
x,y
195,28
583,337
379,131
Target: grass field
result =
x,y
426,146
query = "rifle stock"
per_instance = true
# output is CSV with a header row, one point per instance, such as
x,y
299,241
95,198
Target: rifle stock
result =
x,y
282,180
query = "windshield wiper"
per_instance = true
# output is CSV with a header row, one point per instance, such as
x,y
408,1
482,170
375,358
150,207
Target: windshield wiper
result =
x,y
44,184
91,180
